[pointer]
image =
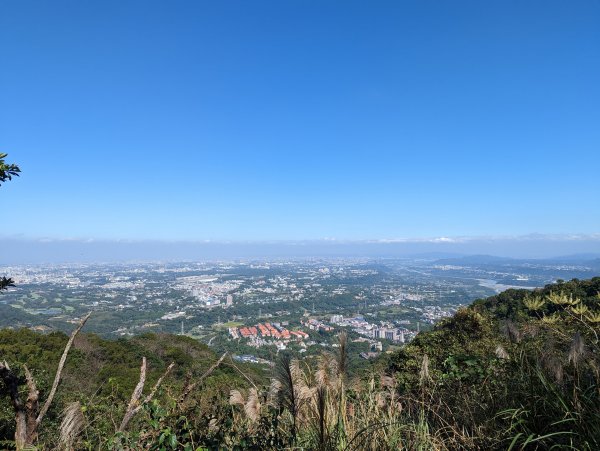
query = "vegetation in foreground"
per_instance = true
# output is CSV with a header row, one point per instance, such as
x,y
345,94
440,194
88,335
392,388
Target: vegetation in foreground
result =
x,y
519,370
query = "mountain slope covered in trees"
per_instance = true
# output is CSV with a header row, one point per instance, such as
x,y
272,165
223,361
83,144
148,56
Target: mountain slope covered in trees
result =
x,y
517,369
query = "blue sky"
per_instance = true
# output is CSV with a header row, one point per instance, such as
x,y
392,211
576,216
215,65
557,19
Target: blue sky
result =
x,y
295,120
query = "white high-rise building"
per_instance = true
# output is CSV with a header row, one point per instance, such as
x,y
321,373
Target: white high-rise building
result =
x,y
389,334
336,319
229,300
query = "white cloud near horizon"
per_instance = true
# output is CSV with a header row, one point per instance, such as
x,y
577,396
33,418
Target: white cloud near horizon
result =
x,y
328,240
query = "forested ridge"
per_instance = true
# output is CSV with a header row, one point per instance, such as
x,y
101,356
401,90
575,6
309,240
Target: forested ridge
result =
x,y
517,370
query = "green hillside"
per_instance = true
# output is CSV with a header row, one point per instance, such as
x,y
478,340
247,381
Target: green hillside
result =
x,y
101,374
519,369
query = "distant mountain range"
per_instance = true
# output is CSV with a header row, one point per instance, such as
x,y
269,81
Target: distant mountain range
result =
x,y
475,250
475,260
591,260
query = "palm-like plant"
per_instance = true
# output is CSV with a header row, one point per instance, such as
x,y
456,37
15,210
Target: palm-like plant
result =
x,y
563,300
534,304
580,309
593,317
550,319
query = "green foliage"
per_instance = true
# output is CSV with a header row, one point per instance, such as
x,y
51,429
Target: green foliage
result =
x,y
7,171
5,283
101,375
513,304
517,370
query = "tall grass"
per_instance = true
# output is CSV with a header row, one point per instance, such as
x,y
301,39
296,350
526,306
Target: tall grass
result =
x,y
321,411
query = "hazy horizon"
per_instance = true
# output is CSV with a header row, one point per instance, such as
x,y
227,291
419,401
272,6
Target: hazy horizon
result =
x,y
20,250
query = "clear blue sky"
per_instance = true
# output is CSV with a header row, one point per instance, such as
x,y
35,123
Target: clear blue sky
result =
x,y
254,120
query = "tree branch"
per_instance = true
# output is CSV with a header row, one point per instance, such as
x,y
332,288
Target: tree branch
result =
x,y
135,397
148,398
134,404
31,406
242,373
188,389
61,364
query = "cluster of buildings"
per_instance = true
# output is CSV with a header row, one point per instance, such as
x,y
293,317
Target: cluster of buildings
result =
x,y
208,290
248,358
392,334
362,327
168,293
267,331
315,324
58,275
433,313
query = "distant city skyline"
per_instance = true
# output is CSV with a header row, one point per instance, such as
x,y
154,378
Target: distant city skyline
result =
x,y
258,121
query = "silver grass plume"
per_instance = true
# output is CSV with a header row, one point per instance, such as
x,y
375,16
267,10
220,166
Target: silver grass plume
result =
x,y
577,349
236,398
327,370
286,373
424,373
213,425
501,353
296,372
380,399
298,376
554,367
514,334
306,393
321,400
252,406
342,354
274,392
71,425
387,381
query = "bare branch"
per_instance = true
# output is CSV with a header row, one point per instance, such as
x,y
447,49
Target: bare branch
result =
x,y
135,397
31,406
242,373
59,370
156,386
134,404
188,389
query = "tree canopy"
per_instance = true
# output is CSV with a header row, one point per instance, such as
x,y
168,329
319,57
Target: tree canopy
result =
x,y
7,170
